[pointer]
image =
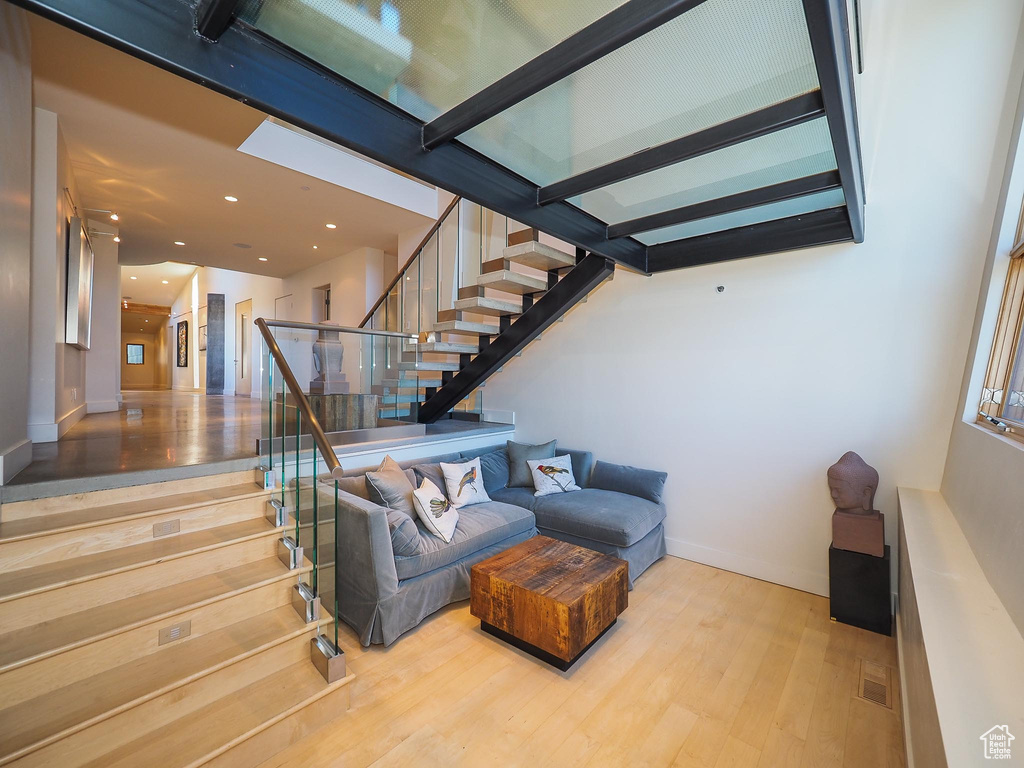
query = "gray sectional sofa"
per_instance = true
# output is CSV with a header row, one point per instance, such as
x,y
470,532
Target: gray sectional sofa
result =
x,y
391,573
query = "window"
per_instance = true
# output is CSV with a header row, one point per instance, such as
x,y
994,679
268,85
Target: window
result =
x,y
1002,400
136,354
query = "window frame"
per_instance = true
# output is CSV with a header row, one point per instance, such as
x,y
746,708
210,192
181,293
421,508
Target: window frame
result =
x,y
127,357
1007,347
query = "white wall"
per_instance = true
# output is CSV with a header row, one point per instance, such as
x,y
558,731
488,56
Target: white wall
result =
x,y
746,397
984,476
102,379
57,398
236,287
15,237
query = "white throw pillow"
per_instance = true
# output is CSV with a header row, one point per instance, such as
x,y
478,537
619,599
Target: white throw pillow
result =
x,y
465,483
435,511
552,475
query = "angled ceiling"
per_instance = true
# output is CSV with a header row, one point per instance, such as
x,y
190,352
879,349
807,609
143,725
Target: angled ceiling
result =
x,y
162,153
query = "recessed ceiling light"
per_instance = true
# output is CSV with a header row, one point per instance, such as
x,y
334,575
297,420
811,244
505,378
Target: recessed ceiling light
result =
x,y
332,226
164,282
314,247
117,239
263,258
147,321
133,277
231,198
178,242
242,245
114,217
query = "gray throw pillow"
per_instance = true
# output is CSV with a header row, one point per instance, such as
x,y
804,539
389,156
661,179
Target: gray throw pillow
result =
x,y
494,465
389,487
519,475
433,473
405,536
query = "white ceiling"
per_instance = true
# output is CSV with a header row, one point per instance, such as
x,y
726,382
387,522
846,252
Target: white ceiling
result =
x,y
149,288
162,153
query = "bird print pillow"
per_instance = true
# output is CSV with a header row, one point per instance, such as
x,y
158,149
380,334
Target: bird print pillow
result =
x,y
435,511
465,483
552,475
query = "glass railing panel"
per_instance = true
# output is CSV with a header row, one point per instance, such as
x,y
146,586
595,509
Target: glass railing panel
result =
x,y
718,61
818,201
793,153
493,234
448,252
429,274
410,299
424,57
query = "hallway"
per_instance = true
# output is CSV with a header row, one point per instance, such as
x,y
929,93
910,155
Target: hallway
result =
x,y
152,430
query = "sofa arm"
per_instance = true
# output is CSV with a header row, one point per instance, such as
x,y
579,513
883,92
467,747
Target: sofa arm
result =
x,y
365,562
643,483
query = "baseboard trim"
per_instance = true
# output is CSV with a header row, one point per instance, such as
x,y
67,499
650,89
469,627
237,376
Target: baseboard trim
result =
x,y
15,459
101,406
806,581
908,746
69,419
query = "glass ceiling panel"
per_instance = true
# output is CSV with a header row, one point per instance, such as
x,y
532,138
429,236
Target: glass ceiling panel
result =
x,y
792,153
425,57
720,60
818,201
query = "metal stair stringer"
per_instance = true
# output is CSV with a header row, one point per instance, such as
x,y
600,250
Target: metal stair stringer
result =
x,y
590,272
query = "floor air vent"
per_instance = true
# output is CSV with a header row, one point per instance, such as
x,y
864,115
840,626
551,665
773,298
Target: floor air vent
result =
x,y
875,683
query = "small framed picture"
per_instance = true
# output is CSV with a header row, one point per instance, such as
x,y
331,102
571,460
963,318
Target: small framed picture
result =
x,y
202,338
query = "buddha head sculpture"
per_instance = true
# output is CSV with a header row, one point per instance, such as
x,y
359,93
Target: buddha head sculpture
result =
x,y
852,484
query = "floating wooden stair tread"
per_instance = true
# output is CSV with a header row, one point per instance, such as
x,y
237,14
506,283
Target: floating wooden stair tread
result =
x,y
42,640
539,256
28,581
59,522
213,730
511,282
429,366
447,348
467,328
36,722
486,305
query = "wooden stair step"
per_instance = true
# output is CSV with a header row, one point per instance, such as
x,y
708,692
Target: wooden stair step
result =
x,y
447,348
34,723
487,305
539,256
511,282
467,328
428,366
48,638
224,727
61,522
42,578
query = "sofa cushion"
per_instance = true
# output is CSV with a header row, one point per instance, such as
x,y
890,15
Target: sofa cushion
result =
x,y
521,497
389,487
645,483
479,526
405,536
518,455
494,465
582,465
606,516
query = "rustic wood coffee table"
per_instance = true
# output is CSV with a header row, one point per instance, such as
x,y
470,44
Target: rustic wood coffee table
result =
x,y
549,598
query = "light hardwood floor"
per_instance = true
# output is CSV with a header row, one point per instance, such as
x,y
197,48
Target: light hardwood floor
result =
x,y
705,668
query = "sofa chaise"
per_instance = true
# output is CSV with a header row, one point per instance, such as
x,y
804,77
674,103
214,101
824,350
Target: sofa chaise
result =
x,y
391,573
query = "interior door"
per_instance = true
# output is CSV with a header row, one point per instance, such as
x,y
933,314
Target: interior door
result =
x,y
243,348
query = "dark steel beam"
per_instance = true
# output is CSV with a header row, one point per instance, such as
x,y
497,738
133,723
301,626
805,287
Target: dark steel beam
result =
x,y
576,284
804,231
247,66
215,16
752,198
829,28
613,30
788,113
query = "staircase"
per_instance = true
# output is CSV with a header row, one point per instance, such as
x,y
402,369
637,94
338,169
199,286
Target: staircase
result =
x,y
154,625
501,305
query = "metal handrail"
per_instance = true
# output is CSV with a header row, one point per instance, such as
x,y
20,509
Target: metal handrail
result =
x,y
416,252
330,327
326,449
